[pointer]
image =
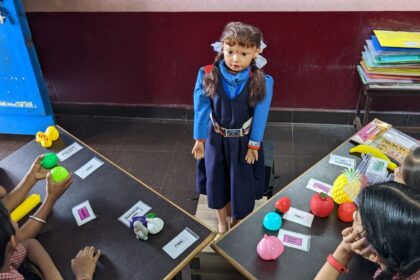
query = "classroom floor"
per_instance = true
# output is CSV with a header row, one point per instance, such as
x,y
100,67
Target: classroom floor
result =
x,y
158,152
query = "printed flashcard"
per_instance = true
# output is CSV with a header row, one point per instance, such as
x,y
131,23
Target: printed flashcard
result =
x,y
318,186
69,151
88,168
138,209
180,243
299,217
83,213
342,161
295,240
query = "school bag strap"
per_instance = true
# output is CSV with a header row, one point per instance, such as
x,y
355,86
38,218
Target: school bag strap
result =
x,y
207,69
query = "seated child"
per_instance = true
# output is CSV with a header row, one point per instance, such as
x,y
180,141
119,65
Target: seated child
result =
x,y
13,253
16,196
409,172
387,225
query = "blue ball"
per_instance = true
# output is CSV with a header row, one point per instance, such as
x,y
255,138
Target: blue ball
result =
x,y
272,221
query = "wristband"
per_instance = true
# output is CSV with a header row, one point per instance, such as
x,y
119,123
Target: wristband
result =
x,y
336,264
255,148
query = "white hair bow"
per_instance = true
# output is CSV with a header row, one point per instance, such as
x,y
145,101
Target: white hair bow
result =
x,y
260,61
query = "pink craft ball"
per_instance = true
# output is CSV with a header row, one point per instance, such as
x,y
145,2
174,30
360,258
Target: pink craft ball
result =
x,y
270,247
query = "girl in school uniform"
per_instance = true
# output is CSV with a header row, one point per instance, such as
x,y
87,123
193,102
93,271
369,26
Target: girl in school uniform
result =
x,y
231,103
385,230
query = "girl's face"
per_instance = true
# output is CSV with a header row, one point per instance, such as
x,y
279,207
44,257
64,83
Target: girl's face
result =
x,y
357,223
238,58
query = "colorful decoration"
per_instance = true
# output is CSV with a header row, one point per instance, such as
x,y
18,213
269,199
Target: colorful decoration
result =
x,y
272,221
145,225
49,160
155,225
283,204
45,139
25,207
59,174
350,180
270,248
52,133
321,205
140,230
369,150
345,212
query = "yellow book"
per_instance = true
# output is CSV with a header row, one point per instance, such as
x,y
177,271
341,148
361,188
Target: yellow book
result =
x,y
398,39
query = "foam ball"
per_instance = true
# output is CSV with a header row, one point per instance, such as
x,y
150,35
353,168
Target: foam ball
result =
x,y
49,160
59,174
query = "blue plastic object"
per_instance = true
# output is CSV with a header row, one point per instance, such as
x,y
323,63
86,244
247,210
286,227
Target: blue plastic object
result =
x,y
272,221
141,219
25,107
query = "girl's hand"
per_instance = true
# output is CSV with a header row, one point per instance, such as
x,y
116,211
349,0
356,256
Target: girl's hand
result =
x,y
84,264
55,190
251,156
36,171
357,243
198,150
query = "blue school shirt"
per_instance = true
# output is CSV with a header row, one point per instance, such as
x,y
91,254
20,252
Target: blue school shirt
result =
x,y
233,85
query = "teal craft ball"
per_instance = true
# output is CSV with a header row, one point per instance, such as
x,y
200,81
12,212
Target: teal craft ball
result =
x,y
272,221
59,174
49,160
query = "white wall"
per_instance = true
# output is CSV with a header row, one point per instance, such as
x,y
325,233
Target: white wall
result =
x,y
218,5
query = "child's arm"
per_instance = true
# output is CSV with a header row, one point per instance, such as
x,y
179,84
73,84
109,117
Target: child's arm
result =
x,y
38,256
259,122
53,192
18,194
342,256
202,108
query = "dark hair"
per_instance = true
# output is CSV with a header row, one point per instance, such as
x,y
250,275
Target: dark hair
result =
x,y
390,214
411,168
6,231
244,35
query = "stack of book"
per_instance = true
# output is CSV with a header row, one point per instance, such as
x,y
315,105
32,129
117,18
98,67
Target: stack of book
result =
x,y
391,58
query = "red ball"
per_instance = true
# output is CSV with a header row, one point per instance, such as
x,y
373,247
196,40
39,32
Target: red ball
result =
x,y
283,204
345,212
321,205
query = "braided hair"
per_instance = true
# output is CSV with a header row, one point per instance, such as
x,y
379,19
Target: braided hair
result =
x,y
390,214
244,35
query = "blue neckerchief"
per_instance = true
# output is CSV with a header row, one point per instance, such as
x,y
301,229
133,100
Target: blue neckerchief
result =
x,y
233,83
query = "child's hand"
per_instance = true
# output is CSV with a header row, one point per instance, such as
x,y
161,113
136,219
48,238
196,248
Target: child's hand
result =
x,y
36,171
251,156
55,190
356,242
84,264
198,150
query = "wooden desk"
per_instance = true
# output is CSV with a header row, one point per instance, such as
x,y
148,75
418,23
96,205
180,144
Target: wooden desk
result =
x,y
111,191
238,246
367,92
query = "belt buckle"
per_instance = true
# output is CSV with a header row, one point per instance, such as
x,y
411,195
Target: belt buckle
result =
x,y
233,132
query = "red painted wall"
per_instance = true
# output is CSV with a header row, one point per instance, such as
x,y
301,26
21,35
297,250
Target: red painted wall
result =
x,y
153,58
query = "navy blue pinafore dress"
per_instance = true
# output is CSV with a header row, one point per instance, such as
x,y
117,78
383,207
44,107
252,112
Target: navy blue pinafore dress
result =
x,y
224,175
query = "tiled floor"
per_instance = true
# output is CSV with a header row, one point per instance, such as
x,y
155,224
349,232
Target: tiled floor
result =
x,y
158,152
